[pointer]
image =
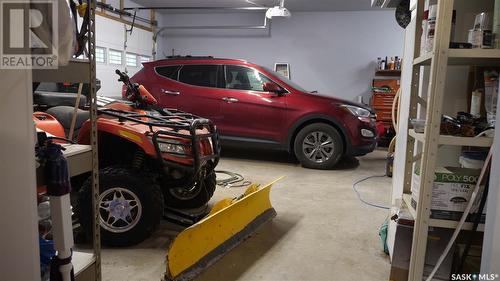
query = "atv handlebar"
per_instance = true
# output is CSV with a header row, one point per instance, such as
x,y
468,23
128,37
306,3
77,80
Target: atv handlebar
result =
x,y
125,79
132,89
136,93
123,76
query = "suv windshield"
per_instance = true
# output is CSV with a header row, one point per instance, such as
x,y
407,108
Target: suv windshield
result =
x,y
286,80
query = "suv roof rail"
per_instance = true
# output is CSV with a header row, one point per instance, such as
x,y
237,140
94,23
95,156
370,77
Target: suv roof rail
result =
x,y
190,57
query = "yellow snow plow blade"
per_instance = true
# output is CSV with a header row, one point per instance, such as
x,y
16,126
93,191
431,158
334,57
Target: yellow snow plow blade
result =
x,y
229,223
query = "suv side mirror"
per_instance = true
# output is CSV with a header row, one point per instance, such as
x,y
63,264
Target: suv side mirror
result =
x,y
273,88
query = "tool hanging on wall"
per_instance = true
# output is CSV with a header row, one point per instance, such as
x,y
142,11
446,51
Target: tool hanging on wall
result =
x,y
122,13
126,34
80,9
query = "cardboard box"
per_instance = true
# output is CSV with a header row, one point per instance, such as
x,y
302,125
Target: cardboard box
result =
x,y
451,192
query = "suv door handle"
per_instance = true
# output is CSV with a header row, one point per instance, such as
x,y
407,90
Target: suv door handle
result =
x,y
172,93
229,100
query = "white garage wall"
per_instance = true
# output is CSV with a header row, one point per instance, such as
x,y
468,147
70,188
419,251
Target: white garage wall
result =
x,y
110,35
332,52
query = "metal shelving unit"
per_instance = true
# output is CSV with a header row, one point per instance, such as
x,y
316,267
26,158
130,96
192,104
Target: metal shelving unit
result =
x,y
83,158
437,61
96,241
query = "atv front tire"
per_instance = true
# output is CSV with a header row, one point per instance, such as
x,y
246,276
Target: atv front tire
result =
x,y
195,197
130,206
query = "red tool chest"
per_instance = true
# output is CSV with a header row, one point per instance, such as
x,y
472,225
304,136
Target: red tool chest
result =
x,y
382,101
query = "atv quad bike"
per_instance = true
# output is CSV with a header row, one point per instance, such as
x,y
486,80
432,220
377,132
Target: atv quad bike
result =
x,y
149,158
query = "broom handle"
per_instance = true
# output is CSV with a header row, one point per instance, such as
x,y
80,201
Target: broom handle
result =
x,y
73,120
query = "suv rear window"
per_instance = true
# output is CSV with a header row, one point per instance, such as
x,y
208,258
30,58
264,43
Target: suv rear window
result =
x,y
199,75
170,71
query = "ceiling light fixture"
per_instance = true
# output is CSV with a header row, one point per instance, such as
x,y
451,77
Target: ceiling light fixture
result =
x,y
278,11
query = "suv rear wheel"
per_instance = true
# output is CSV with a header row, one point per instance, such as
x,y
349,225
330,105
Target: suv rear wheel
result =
x,y
130,206
318,146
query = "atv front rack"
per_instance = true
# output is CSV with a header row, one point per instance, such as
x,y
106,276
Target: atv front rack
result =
x,y
175,120
171,118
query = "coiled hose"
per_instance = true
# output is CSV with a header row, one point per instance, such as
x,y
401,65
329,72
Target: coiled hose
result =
x,y
234,180
394,117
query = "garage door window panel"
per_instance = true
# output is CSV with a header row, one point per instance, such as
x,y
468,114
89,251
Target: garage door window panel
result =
x,y
100,55
244,78
144,59
199,75
131,59
115,57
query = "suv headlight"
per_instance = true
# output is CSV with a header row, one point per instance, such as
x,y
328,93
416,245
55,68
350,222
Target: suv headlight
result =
x,y
357,111
172,146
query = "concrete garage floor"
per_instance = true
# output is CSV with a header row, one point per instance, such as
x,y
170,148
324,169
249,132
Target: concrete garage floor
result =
x,y
322,231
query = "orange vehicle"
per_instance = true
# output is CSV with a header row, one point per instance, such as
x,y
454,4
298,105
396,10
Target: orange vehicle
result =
x,y
149,158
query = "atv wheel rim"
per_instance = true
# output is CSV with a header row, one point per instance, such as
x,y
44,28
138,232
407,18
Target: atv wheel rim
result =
x,y
186,193
119,210
318,147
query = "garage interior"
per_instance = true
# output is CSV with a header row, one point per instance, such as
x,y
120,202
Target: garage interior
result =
x,y
250,140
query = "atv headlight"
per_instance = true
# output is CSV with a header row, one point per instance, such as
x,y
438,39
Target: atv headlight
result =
x,y
171,146
357,111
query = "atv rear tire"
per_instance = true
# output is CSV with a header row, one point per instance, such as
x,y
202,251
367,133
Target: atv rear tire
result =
x,y
130,206
318,146
199,195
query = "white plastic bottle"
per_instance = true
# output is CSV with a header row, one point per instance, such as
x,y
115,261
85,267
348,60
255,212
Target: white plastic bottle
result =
x,y
431,28
475,103
491,95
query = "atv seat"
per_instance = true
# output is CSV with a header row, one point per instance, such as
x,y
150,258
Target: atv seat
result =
x,y
64,114
49,94
51,99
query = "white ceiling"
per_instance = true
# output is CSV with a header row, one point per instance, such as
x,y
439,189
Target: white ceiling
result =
x,y
292,5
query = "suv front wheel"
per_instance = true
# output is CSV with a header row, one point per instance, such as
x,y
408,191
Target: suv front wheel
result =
x,y
318,146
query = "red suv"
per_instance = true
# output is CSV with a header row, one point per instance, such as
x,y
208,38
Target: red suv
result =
x,y
255,106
